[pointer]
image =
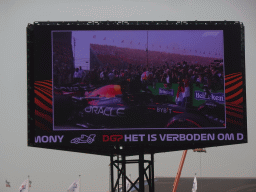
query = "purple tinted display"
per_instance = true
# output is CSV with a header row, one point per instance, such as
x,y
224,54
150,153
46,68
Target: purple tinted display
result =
x,y
109,80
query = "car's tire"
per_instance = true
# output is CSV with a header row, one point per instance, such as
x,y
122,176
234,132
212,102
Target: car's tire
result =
x,y
187,120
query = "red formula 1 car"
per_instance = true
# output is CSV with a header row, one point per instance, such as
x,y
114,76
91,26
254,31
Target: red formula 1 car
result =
x,y
120,106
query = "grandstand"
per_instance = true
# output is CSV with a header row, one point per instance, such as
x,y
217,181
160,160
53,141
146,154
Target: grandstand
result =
x,y
120,58
63,61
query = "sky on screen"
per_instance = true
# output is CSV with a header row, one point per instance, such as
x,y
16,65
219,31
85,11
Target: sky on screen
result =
x,y
200,43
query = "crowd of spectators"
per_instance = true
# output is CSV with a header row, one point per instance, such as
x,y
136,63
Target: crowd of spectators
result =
x,y
181,73
63,63
211,75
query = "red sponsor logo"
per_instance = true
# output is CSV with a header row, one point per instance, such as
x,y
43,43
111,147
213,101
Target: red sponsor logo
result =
x,y
112,138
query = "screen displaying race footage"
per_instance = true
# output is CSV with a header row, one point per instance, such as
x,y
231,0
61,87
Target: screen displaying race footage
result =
x,y
138,79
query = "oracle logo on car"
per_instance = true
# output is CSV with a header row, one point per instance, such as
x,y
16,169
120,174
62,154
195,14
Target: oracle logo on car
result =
x,y
112,138
106,111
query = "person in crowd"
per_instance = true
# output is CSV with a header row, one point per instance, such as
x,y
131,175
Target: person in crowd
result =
x,y
179,72
144,75
180,94
186,94
157,76
150,76
221,75
76,76
102,75
215,80
80,73
164,78
111,76
84,74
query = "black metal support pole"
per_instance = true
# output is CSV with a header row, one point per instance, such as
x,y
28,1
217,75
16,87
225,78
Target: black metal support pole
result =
x,y
141,172
120,165
153,176
112,173
150,177
118,174
123,174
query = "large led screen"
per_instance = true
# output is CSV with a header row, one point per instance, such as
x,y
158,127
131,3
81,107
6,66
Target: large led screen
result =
x,y
96,89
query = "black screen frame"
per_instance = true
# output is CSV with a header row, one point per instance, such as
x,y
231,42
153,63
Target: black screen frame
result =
x,y
39,58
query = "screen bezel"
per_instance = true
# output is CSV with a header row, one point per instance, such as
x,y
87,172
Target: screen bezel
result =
x,y
39,53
